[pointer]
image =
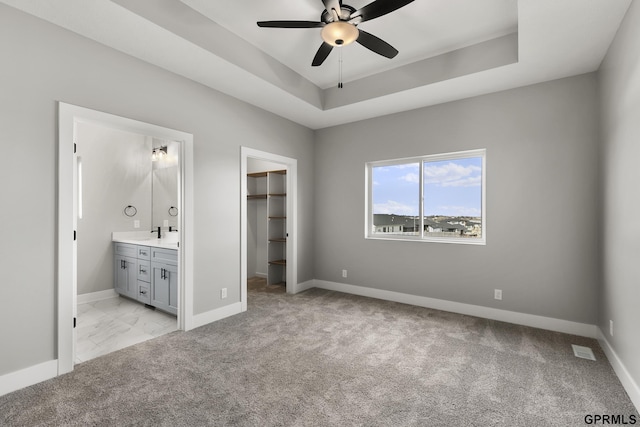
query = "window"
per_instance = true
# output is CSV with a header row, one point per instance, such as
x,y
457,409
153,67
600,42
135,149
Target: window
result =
x,y
437,198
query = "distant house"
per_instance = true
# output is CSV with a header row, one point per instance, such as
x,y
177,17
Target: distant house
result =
x,y
431,226
389,223
454,228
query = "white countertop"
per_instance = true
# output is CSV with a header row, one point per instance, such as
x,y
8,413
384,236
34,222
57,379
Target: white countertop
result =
x,y
144,238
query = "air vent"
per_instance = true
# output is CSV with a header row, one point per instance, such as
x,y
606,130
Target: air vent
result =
x,y
583,352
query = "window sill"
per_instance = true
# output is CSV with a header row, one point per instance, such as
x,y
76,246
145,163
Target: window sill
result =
x,y
481,242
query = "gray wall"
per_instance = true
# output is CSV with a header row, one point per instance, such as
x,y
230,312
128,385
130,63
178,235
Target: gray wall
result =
x,y
116,172
620,105
542,204
42,64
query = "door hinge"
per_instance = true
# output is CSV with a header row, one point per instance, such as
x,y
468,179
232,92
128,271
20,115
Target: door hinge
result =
x,y
74,322
74,148
74,235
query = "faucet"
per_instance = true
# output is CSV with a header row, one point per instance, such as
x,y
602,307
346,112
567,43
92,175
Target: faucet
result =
x,y
159,232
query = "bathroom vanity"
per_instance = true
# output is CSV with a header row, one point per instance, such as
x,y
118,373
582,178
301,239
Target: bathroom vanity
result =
x,y
147,271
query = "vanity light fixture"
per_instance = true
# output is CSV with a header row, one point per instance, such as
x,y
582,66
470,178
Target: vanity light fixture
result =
x,y
158,153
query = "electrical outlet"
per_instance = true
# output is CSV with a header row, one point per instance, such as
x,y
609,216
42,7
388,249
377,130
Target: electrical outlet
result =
x,y
344,273
136,223
611,327
165,223
497,294
223,293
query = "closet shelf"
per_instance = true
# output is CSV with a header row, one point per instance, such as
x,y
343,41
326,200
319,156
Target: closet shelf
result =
x,y
271,186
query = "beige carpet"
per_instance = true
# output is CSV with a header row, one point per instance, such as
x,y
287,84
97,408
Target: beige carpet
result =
x,y
323,358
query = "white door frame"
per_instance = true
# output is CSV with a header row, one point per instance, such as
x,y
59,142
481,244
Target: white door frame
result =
x,y
68,116
292,216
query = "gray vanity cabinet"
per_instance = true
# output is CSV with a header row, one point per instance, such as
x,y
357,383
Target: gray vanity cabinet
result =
x,y
125,270
164,283
147,274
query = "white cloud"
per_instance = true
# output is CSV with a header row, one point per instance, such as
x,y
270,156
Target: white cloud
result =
x,y
453,175
411,177
393,207
474,181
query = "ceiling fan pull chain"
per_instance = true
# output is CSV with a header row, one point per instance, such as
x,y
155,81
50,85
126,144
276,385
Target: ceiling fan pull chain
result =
x,y
339,68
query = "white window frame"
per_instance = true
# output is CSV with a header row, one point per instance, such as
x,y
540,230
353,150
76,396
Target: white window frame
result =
x,y
368,226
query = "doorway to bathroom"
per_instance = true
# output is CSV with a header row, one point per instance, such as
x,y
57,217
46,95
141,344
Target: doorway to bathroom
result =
x,y
108,167
268,226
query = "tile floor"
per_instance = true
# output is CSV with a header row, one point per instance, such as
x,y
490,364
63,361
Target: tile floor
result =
x,y
112,324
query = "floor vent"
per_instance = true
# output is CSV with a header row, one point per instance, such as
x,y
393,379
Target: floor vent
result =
x,y
583,352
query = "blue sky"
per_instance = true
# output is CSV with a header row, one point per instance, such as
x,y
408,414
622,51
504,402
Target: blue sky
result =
x,y
451,187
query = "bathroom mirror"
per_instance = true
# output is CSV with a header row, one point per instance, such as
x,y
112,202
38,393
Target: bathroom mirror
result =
x,y
164,185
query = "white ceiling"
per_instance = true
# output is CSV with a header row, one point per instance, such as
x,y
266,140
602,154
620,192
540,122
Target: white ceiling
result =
x,y
218,44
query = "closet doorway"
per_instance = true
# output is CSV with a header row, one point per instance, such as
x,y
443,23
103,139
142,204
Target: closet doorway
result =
x,y
268,238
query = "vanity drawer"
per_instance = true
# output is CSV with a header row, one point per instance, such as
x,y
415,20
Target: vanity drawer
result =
x,y
144,271
169,256
144,252
126,249
144,295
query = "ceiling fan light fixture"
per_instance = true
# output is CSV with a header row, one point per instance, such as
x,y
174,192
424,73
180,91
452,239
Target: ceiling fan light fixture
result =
x,y
339,33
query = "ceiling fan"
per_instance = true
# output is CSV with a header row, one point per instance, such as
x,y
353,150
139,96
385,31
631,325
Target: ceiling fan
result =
x,y
339,26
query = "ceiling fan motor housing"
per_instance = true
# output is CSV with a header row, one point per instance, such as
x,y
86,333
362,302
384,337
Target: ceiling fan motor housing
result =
x,y
344,15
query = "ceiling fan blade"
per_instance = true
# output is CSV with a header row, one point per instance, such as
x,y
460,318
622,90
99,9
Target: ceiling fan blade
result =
x,y
376,45
322,54
290,24
377,8
332,4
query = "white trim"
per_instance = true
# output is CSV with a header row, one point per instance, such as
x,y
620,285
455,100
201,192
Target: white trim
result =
x,y
260,275
28,376
216,314
97,296
629,384
301,287
532,320
68,116
187,235
292,215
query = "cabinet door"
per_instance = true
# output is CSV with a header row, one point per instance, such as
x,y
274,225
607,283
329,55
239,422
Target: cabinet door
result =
x,y
164,287
172,274
125,275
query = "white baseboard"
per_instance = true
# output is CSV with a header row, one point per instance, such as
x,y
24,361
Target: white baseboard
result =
x,y
548,323
96,296
217,314
260,275
629,384
300,287
29,376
